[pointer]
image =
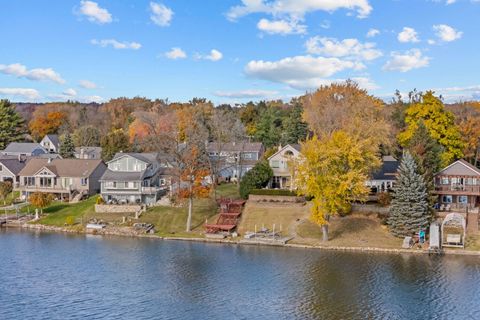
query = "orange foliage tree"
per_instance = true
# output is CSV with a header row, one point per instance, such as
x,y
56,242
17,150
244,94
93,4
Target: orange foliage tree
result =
x,y
42,125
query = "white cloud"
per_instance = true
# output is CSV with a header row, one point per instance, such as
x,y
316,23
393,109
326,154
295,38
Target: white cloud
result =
x,y
117,44
161,15
87,84
446,33
301,71
94,13
246,94
282,27
176,53
89,99
297,8
23,93
451,2
214,55
70,92
408,35
412,59
39,74
351,48
373,33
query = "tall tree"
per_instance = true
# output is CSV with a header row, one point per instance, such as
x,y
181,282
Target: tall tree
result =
x,y
115,141
269,127
86,136
67,148
440,124
50,123
11,124
294,129
5,189
409,211
334,170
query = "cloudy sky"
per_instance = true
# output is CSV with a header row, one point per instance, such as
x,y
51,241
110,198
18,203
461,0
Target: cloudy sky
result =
x,y
235,50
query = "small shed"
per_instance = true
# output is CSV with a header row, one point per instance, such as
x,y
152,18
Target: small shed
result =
x,y
453,230
435,243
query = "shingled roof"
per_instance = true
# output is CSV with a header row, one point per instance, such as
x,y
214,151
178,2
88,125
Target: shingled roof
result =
x,y
62,167
388,170
235,147
22,147
13,165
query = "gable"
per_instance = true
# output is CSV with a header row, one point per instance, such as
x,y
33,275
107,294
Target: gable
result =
x,y
284,153
127,163
461,169
45,172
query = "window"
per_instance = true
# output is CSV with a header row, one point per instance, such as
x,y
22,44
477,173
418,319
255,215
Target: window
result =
x,y
275,164
447,199
84,181
463,199
247,156
162,182
29,181
444,180
1,168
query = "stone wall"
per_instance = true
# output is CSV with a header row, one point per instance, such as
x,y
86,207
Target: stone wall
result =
x,y
267,198
369,208
111,208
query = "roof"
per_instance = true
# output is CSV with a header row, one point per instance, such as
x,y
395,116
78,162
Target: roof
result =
x,y
110,175
235,147
145,157
62,167
54,139
464,163
88,150
13,165
388,170
295,146
23,147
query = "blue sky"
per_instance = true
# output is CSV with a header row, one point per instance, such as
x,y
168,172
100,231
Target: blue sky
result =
x,y
233,50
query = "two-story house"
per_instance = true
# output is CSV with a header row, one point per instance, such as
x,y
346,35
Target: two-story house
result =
x,y
51,143
458,186
234,159
133,178
23,149
67,179
88,153
281,162
383,179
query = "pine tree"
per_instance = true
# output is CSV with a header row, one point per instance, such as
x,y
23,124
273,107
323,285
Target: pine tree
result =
x,y
294,129
409,211
11,124
67,148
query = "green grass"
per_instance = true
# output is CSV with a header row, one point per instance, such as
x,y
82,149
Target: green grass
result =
x,y
228,190
57,213
10,198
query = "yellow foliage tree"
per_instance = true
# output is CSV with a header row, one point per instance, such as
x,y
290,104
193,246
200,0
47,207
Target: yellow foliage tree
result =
x,y
40,200
440,124
333,170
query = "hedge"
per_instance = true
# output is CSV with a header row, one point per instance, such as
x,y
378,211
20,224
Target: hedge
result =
x,y
273,192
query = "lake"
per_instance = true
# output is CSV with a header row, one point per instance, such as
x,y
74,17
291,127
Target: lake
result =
x,y
57,276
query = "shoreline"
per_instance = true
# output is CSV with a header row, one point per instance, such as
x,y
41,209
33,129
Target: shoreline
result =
x,y
45,228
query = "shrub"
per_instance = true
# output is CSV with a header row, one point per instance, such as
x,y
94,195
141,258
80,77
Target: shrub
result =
x,y
256,178
70,220
384,199
273,192
100,200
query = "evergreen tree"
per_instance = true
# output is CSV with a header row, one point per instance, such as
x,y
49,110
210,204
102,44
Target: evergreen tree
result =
x,y
11,124
67,148
256,178
294,129
115,141
268,129
409,211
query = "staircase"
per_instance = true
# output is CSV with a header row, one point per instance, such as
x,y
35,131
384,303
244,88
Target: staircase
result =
x,y
78,197
472,222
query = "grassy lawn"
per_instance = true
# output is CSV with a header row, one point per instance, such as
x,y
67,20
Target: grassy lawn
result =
x,y
228,190
57,213
265,214
10,198
355,230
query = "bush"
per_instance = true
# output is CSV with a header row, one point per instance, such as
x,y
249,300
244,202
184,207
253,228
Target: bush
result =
x,y
100,200
256,178
384,199
273,192
70,220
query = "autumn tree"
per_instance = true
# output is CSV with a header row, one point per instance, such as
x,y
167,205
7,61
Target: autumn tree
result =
x,y
115,141
334,170
50,123
11,124
5,189
67,148
440,124
86,136
467,119
40,200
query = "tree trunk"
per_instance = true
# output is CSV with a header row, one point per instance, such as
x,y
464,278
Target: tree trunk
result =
x,y
189,218
325,229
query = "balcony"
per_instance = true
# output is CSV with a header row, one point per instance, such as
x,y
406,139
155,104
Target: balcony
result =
x,y
52,189
151,190
458,189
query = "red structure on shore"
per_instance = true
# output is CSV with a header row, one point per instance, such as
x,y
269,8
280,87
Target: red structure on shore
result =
x,y
230,211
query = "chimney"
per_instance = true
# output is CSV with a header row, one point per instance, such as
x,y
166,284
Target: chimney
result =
x,y
49,160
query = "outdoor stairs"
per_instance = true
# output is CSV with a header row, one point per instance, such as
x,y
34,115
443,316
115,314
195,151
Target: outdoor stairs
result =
x,y
472,222
78,197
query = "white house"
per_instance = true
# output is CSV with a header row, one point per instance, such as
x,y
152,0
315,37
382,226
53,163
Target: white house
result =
x,y
51,143
279,162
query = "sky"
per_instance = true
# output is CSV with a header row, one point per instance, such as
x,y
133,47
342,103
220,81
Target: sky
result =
x,y
234,51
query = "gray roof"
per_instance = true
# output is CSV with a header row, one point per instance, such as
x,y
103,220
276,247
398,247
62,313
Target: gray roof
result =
x,y
388,170
23,147
235,147
110,175
145,157
13,165
62,167
88,150
54,139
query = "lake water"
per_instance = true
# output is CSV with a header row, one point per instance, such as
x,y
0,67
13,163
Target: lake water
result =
x,y
56,276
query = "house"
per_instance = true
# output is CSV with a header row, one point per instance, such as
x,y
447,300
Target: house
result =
x,y
24,149
65,178
458,186
88,152
10,168
280,162
385,177
133,178
51,143
234,159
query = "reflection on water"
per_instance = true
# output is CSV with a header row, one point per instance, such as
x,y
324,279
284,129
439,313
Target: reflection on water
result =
x,y
54,276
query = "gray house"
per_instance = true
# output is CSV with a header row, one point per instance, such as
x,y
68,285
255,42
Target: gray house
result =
x,y
23,149
133,178
51,143
67,179
88,152
10,168
234,159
